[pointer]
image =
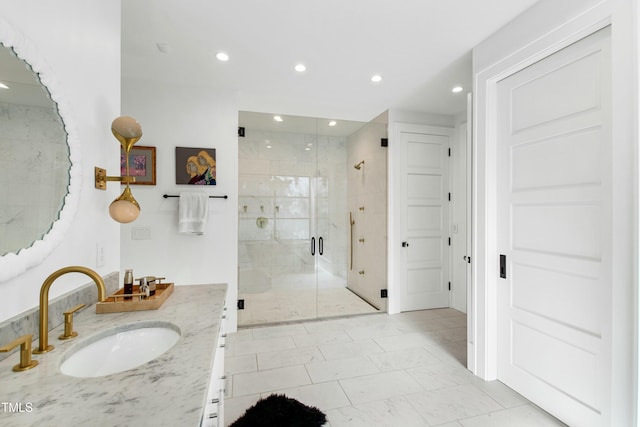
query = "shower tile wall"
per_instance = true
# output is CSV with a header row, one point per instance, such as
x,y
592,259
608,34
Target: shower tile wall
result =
x,y
367,201
278,177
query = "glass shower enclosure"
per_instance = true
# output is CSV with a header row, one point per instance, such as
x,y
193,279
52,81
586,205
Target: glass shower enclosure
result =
x,y
294,223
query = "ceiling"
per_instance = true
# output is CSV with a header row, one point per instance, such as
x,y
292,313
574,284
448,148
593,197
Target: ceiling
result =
x,y
422,48
298,124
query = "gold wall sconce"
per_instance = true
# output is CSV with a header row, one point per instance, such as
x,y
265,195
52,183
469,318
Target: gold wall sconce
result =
x,y
125,208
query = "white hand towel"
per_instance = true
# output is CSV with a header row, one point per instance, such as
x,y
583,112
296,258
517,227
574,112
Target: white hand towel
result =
x,y
193,211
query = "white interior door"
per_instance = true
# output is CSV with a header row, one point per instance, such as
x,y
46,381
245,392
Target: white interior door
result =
x,y
425,282
554,179
460,172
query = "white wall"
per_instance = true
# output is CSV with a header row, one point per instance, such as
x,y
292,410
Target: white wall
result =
x,y
183,116
81,44
545,28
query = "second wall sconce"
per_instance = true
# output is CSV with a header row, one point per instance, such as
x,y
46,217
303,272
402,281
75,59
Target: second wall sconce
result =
x,y
125,208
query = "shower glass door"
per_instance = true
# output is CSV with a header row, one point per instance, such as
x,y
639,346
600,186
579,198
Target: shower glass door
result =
x,y
293,220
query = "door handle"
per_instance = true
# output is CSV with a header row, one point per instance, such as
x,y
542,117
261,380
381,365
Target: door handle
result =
x,y
321,245
313,246
405,244
503,266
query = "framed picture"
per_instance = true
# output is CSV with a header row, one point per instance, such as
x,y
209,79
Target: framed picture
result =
x,y
195,166
142,165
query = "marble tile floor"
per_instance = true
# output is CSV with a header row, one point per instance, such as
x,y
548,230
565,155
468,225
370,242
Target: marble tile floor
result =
x,y
373,370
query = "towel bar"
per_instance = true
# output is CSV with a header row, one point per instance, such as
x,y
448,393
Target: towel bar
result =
x,y
211,197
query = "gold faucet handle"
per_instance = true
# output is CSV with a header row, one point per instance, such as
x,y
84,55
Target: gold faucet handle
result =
x,y
68,323
25,352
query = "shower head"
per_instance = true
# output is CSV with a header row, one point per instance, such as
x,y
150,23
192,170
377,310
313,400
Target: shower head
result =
x,y
359,165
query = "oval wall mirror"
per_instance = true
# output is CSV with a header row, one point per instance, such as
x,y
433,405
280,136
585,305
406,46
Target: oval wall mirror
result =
x,y
38,178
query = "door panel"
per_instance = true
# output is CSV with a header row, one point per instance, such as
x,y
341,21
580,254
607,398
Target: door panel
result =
x,y
547,292
563,87
427,218
554,169
542,163
570,230
423,187
425,280
426,224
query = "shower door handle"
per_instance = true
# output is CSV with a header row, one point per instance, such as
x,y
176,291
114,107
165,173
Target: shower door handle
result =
x,y
320,245
313,246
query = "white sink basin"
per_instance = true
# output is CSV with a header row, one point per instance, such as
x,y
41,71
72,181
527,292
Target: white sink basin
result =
x,y
119,349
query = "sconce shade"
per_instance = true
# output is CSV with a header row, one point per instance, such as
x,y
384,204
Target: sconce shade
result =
x,y
127,130
125,208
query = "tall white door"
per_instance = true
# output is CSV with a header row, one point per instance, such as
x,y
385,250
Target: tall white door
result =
x,y
460,215
426,217
554,217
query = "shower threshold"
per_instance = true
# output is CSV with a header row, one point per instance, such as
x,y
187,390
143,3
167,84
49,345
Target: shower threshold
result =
x,y
292,305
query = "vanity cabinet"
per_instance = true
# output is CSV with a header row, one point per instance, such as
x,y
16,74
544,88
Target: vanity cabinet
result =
x,y
128,398
213,414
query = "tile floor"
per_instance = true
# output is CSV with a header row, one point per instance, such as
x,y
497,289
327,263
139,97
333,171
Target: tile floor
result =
x,y
373,370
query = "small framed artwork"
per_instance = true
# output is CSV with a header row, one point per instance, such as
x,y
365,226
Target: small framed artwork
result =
x,y
142,165
195,166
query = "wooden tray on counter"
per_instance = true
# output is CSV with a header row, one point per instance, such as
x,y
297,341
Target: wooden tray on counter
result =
x,y
116,303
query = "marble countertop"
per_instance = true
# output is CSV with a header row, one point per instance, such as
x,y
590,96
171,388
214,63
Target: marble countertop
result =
x,y
168,391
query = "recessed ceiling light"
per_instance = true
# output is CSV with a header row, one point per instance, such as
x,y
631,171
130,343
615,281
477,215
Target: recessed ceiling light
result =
x,y
332,123
376,78
222,56
456,89
277,118
301,68
3,86
164,47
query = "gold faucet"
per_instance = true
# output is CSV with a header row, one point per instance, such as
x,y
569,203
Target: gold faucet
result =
x,y
69,333
44,346
25,352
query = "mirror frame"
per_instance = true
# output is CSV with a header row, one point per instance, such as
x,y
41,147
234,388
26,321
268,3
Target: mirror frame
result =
x,y
14,264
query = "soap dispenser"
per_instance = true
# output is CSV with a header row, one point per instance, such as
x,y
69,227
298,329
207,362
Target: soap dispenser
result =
x,y
128,282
